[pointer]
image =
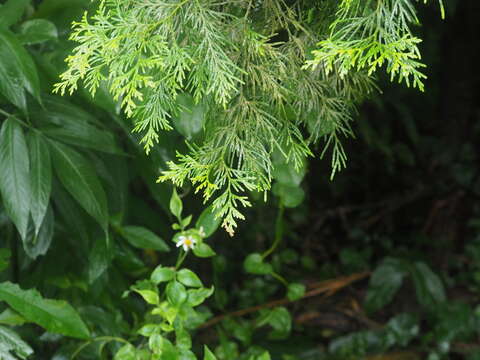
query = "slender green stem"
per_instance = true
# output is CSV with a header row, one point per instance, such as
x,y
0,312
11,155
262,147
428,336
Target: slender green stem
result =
x,y
280,278
180,259
278,232
100,338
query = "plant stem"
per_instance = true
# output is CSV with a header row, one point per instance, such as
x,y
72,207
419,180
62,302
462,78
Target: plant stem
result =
x,y
100,338
278,231
180,259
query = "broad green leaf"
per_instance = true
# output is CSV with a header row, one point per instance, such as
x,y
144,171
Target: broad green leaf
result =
x,y
155,343
17,71
198,296
143,238
187,355
81,181
176,204
149,296
286,174
191,117
176,293
290,196
37,31
70,124
14,170
126,352
188,278
254,264
41,177
10,317
183,339
99,258
264,356
38,244
428,286
11,12
208,222
295,291
384,283
148,329
207,354
162,274
11,342
279,319
203,250
56,316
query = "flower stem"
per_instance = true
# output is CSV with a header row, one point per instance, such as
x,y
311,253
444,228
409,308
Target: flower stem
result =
x,y
278,231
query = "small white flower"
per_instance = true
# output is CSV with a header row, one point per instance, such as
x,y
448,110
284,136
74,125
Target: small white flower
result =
x,y
187,242
201,231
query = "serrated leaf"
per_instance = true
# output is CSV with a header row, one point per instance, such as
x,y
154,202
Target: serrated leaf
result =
x,y
14,178
208,222
56,316
17,71
10,341
37,31
384,283
189,278
81,181
162,274
40,178
11,12
143,238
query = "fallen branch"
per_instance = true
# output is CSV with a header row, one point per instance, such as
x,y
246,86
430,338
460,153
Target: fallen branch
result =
x,y
328,287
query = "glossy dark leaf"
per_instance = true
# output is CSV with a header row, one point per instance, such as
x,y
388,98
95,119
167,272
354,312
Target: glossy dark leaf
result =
x,y
17,71
14,178
38,244
176,293
11,12
143,238
188,278
40,177
254,264
11,342
208,222
384,283
37,31
428,285
99,258
81,181
56,316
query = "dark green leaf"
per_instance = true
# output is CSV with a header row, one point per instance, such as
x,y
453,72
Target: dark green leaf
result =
x,y
162,274
38,244
10,317
384,283
295,291
17,71
176,293
203,250
290,196
254,264
14,170
11,342
428,286
176,204
81,181
279,319
143,238
41,177
99,258
37,31
12,11
208,222
4,258
402,329
188,278
56,316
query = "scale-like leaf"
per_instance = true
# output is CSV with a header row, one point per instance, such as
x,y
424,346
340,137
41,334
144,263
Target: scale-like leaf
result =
x,y
14,170
17,71
56,316
81,181
41,177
